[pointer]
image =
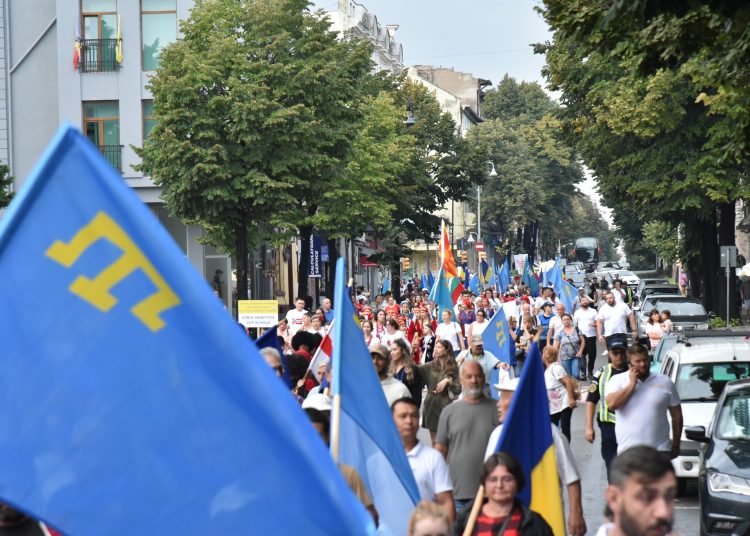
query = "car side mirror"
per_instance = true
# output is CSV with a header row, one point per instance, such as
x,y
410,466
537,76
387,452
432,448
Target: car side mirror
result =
x,y
697,433
711,314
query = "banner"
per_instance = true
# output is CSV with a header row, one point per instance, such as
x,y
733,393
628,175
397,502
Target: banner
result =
x,y
519,261
258,313
316,262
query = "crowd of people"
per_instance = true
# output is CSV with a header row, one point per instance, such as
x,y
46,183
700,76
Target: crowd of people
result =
x,y
435,375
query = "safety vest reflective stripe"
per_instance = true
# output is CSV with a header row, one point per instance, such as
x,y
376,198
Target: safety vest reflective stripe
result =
x,y
604,414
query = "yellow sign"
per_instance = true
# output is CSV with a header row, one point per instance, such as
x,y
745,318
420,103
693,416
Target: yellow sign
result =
x,y
258,313
96,291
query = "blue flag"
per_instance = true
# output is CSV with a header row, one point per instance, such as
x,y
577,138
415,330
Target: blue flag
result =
x,y
554,277
474,283
442,293
568,294
527,436
503,278
270,339
368,439
134,403
497,337
430,279
529,278
386,284
423,281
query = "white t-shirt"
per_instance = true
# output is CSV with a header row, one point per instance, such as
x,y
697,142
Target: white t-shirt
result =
x,y
555,326
295,319
449,332
388,338
566,464
477,328
614,318
556,391
511,309
642,420
394,389
585,319
430,471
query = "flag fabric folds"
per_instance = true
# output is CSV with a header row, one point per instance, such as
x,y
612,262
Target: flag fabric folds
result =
x,y
554,278
567,294
485,273
386,284
368,440
442,293
131,400
423,281
529,278
474,283
118,45
446,252
497,337
503,278
77,45
430,279
527,436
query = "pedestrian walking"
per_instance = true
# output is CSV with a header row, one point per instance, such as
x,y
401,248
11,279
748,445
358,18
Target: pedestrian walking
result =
x,y
560,391
441,378
585,320
612,320
570,344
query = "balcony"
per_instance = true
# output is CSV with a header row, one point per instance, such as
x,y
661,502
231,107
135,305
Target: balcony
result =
x,y
113,154
99,56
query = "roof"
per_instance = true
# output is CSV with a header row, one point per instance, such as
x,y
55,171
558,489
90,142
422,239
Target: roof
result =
x,y
706,349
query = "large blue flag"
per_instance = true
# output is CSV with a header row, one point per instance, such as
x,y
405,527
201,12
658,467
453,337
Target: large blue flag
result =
x,y
553,276
423,281
503,278
442,293
368,439
527,436
529,278
131,402
474,283
567,295
430,278
386,283
497,337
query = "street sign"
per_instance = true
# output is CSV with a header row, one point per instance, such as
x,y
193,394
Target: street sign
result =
x,y
479,246
258,313
728,257
315,269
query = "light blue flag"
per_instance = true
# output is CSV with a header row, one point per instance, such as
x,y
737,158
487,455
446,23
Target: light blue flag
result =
x,y
131,401
442,294
474,284
430,278
368,439
423,281
386,284
554,277
497,337
529,278
504,277
567,295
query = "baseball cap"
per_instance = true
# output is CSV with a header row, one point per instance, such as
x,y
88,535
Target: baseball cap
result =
x,y
618,345
547,304
511,384
380,350
476,339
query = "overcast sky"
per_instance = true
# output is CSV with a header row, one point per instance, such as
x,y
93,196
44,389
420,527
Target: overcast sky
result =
x,y
486,38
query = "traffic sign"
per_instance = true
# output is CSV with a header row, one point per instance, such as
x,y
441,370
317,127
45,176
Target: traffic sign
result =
x,y
728,257
479,246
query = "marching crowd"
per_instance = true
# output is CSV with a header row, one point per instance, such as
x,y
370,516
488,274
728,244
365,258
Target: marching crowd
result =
x,y
436,375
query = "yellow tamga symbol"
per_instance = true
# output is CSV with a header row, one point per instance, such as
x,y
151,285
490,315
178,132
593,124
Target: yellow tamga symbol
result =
x,y
97,291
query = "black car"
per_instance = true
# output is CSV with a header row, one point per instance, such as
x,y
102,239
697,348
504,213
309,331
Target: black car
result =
x,y
724,475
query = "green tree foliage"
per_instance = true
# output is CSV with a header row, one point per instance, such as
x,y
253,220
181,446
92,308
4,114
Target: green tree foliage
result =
x,y
257,111
637,112
661,237
6,185
534,192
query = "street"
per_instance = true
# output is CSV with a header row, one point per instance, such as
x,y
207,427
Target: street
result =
x,y
594,480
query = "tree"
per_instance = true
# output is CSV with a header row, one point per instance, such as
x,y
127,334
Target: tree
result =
x,y
256,111
6,183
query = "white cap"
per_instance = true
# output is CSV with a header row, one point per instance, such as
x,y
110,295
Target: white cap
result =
x,y
510,384
318,401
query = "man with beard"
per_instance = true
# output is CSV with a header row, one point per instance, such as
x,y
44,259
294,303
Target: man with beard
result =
x,y
641,401
463,431
641,495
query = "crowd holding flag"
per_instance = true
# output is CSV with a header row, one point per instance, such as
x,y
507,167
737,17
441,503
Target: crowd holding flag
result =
x,y
135,401
527,436
364,435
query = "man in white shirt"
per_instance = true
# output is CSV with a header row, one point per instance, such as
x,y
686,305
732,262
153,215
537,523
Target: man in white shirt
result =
x,y
585,319
566,465
544,297
392,388
428,465
296,317
641,401
612,319
555,323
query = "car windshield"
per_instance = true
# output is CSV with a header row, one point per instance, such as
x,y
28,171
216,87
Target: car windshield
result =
x,y
626,273
681,308
705,381
734,418
660,290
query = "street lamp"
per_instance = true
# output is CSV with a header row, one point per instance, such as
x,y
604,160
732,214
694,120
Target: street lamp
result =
x,y
493,174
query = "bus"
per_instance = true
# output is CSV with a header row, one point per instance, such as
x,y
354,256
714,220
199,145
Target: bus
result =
x,y
587,251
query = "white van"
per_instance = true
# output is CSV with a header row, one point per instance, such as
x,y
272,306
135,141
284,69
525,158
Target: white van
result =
x,y
699,368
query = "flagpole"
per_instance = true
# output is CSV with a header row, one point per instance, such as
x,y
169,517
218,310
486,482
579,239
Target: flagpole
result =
x,y
336,412
475,509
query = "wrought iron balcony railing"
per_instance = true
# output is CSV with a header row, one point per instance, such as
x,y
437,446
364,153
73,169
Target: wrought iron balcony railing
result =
x,y
99,56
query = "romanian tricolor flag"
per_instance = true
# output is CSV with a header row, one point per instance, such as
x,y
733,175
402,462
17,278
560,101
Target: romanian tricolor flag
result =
x,y
527,436
77,46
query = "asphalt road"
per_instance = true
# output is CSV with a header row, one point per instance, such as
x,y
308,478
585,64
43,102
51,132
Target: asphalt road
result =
x,y
594,479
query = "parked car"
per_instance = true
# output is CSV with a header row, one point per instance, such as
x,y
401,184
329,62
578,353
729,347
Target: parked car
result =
x,y
576,272
700,367
650,281
724,465
665,344
656,288
687,313
629,278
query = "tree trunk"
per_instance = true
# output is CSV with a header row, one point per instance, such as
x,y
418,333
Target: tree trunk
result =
x,y
305,235
709,259
242,290
396,279
726,238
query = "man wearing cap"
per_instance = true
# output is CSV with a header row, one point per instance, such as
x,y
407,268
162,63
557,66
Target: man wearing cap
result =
x,y
597,404
463,430
486,360
392,388
566,465
544,320
612,320
544,297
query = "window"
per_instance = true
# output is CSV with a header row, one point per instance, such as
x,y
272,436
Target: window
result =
x,y
99,35
705,381
158,28
148,118
101,123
